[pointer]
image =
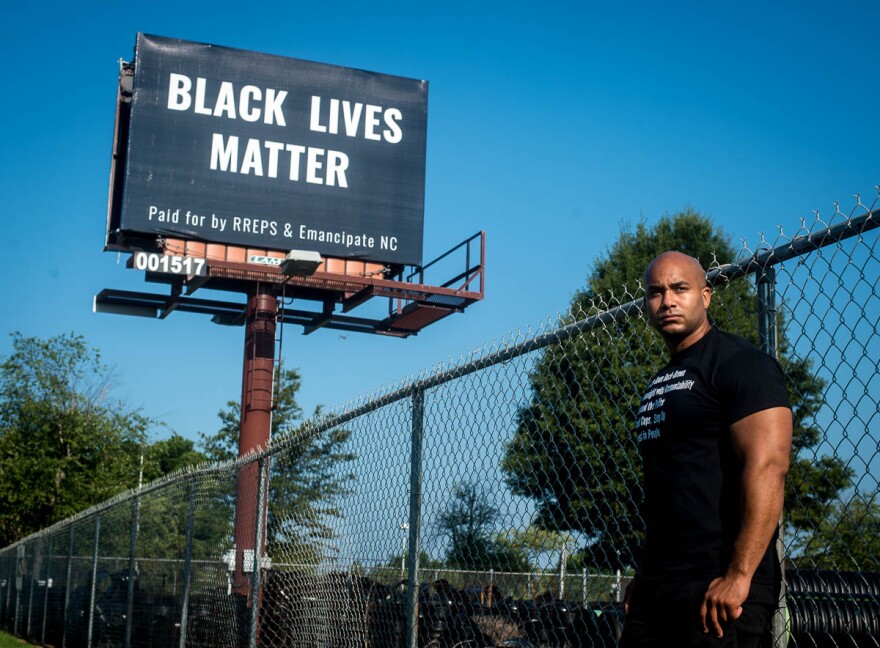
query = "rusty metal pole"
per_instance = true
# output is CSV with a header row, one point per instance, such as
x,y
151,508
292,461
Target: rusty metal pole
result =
x,y
256,424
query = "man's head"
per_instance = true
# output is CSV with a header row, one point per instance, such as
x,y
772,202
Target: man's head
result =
x,y
676,299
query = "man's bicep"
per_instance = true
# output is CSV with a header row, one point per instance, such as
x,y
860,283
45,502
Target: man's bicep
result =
x,y
764,437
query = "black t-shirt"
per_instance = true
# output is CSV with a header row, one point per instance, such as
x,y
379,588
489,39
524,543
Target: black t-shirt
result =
x,y
692,475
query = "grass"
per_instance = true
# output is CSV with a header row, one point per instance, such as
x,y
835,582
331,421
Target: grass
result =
x,y
9,641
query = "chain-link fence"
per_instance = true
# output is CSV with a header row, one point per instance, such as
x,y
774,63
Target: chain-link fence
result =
x,y
494,502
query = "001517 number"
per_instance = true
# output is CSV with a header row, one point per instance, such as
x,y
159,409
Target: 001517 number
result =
x,y
152,262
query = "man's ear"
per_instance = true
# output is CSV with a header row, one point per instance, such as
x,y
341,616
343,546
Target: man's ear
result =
x,y
707,296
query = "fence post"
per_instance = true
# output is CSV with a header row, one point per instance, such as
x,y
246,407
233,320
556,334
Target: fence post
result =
x,y
20,557
766,283
562,560
415,518
10,584
94,581
491,586
187,563
768,339
67,589
46,592
262,478
132,546
32,572
584,586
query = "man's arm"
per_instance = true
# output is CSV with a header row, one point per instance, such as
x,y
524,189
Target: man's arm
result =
x,y
762,442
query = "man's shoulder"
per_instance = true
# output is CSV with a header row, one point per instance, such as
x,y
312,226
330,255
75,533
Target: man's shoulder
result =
x,y
725,345
751,379
729,357
735,358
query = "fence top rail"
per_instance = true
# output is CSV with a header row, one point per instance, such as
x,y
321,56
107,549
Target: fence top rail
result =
x,y
757,261
764,257
796,246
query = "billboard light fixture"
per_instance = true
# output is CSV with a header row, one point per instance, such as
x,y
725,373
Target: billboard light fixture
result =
x,y
301,263
99,305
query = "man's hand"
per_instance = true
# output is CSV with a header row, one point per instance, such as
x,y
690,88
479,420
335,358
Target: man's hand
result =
x,y
723,602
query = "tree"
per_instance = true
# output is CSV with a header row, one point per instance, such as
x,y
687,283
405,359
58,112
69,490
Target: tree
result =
x,y
395,567
536,544
573,452
163,513
847,539
167,456
469,522
61,434
306,479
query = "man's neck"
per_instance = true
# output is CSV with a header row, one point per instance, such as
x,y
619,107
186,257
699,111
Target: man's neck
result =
x,y
677,344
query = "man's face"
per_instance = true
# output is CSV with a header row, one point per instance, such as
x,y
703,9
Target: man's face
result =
x,y
676,298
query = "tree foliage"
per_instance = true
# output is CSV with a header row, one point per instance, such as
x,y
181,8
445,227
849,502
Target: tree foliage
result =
x,y
537,546
65,444
469,523
306,479
847,539
391,571
163,514
167,456
573,450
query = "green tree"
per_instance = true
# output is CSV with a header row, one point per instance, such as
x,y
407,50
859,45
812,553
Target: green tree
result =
x,y
847,539
163,514
469,522
391,571
167,456
573,451
307,477
61,434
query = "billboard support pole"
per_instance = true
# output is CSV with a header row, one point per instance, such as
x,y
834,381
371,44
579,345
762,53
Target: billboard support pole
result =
x,y
256,424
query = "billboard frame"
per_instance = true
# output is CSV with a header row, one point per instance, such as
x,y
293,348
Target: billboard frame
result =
x,y
378,218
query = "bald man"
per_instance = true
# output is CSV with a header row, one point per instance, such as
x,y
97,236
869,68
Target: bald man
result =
x,y
714,430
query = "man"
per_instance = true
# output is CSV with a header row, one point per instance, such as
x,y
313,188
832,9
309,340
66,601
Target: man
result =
x,y
714,431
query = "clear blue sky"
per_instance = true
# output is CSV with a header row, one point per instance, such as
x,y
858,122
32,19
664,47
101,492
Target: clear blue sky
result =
x,y
549,125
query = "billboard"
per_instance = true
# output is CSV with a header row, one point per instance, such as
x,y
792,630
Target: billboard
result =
x,y
230,146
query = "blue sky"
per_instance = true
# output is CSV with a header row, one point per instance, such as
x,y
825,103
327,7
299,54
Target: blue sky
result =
x,y
550,125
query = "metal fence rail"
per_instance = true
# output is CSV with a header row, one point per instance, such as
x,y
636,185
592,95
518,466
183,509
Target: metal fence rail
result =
x,y
495,500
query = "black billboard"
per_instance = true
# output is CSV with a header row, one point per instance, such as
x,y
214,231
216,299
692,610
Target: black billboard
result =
x,y
263,151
